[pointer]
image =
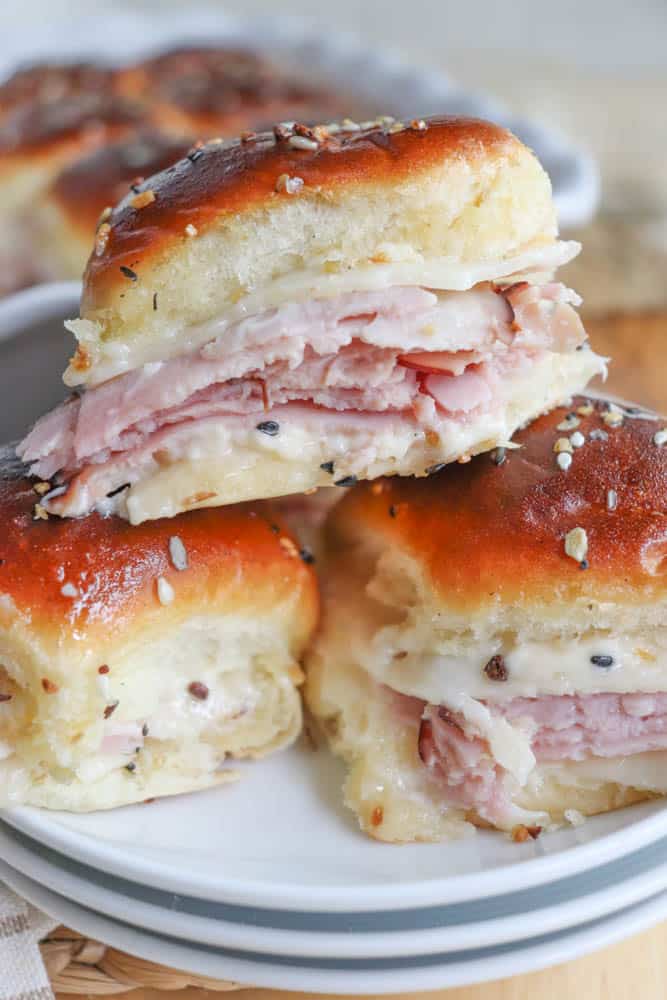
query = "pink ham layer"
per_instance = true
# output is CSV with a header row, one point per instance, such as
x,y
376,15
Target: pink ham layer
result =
x,y
351,353
564,728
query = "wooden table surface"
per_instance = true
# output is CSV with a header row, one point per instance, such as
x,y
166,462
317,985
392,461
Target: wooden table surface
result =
x,y
638,344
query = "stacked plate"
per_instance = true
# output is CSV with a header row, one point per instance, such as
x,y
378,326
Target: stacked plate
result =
x,y
271,883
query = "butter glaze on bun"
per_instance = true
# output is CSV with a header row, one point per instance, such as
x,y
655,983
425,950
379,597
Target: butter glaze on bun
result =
x,y
135,661
494,648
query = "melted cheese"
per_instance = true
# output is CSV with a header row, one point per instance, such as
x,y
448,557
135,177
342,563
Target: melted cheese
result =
x,y
112,357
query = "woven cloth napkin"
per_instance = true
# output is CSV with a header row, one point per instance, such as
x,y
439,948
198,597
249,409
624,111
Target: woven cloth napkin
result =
x,y
22,927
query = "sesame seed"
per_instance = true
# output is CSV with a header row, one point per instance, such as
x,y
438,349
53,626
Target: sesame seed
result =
x,y
288,545
563,444
165,591
576,544
612,499
328,467
496,668
154,301
57,491
569,423
437,468
143,198
290,185
131,767
613,417
577,439
306,556
498,455
585,410
303,142
144,730
564,460
110,709
191,230
270,427
69,590
128,272
178,553
194,155
198,690
102,238
660,437
602,660
346,481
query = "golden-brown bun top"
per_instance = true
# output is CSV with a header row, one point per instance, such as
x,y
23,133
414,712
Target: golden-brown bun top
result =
x,y
46,83
101,178
484,532
454,187
97,576
218,86
89,118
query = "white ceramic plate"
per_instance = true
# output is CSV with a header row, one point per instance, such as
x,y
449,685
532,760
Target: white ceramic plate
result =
x,y
360,68
375,976
558,905
281,838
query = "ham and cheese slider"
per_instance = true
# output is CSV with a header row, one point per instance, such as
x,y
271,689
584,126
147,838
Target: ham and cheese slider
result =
x,y
140,662
494,647
312,307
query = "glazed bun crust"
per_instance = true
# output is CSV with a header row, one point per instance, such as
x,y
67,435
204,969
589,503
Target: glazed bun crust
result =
x,y
52,82
137,663
221,91
103,177
487,535
459,188
239,559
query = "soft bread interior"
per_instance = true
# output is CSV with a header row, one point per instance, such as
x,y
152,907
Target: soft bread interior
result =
x,y
165,715
389,644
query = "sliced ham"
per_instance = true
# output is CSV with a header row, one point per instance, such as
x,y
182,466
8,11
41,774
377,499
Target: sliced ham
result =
x,y
361,352
559,727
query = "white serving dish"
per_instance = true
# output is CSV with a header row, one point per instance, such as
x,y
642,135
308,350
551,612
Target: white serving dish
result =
x,y
440,929
366,976
214,845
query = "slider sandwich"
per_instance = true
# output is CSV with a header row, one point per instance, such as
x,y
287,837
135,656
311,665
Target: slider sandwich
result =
x,y
141,661
309,307
494,648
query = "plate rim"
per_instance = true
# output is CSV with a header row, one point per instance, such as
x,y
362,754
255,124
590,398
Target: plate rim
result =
x,y
528,956
522,873
601,901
